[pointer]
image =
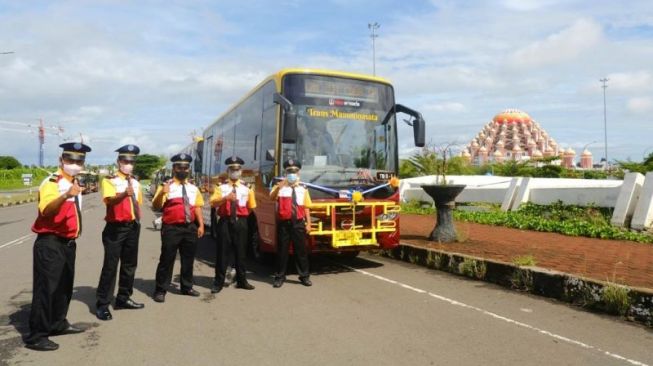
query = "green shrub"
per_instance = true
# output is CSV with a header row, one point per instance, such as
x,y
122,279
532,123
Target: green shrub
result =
x,y
524,261
472,268
616,299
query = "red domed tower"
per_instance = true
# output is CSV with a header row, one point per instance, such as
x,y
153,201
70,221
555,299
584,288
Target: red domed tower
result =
x,y
586,160
513,134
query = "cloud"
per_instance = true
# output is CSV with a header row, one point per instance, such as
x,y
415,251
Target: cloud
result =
x,y
559,47
445,107
633,82
640,105
98,69
528,5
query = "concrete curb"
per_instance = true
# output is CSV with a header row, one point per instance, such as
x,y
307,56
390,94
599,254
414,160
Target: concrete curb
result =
x,y
18,202
634,304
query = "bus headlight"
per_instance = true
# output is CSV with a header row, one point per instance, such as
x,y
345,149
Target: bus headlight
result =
x,y
387,217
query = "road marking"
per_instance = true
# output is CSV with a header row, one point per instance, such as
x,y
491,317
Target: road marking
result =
x,y
17,241
24,238
499,317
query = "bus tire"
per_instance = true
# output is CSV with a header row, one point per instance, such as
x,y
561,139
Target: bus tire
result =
x,y
350,254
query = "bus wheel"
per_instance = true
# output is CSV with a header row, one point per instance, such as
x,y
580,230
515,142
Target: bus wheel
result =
x,y
350,254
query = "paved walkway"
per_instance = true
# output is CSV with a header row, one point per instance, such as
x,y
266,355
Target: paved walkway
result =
x,y
623,262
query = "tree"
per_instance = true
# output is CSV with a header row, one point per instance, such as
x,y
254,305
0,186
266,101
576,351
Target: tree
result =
x,y
9,162
406,169
145,165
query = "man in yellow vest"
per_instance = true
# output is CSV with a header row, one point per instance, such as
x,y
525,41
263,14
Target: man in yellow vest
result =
x,y
234,201
181,203
122,196
58,224
294,221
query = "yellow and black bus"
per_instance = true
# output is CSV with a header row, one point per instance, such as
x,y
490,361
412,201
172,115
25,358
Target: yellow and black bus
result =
x,y
343,129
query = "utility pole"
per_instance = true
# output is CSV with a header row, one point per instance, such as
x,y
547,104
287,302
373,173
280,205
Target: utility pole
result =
x,y
373,27
605,121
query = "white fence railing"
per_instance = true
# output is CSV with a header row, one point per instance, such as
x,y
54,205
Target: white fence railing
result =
x,y
631,198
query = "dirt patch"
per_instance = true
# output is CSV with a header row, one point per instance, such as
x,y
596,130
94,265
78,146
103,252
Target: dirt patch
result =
x,y
14,325
618,261
9,349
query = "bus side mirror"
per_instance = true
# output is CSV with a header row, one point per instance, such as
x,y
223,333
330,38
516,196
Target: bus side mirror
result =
x,y
290,119
418,124
418,131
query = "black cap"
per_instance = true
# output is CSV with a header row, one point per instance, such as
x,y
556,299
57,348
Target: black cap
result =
x,y
181,159
292,163
234,162
128,152
74,150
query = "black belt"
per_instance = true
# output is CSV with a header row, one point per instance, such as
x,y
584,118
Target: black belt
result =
x,y
289,221
62,240
183,224
123,223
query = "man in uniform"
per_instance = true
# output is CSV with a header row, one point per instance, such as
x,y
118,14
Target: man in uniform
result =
x,y
294,221
234,201
183,224
122,195
58,224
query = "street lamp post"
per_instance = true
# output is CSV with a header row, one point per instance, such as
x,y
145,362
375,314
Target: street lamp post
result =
x,y
586,145
373,27
605,121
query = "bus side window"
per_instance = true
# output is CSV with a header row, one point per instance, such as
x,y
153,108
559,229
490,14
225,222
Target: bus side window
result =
x,y
268,135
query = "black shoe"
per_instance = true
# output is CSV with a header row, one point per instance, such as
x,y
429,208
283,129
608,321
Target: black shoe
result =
x,y
159,296
216,288
128,304
103,313
43,345
190,292
306,282
245,285
70,330
278,282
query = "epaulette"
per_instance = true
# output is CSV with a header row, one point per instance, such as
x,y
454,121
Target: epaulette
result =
x,y
54,177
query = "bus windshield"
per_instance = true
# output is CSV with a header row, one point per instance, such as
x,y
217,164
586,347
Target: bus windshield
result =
x,y
346,130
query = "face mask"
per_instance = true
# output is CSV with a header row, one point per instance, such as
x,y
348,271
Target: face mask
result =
x,y
292,178
181,175
72,169
235,174
127,168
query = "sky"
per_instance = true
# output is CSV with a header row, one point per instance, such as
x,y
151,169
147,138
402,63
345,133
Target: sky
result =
x,y
150,72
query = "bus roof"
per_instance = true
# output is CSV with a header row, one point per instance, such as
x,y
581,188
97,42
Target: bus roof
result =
x,y
278,76
283,72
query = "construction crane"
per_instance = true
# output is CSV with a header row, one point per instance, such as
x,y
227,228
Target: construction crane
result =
x,y
39,128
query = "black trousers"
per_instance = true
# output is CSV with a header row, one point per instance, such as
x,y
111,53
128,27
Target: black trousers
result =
x,y
52,287
297,233
232,240
120,245
182,238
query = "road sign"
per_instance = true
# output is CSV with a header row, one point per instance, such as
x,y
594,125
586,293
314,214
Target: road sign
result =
x,y
27,179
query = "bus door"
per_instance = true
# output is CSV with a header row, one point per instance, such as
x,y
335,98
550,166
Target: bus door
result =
x,y
265,212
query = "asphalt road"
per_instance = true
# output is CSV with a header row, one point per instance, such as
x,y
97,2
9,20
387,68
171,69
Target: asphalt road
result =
x,y
364,311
